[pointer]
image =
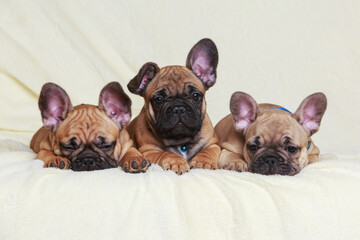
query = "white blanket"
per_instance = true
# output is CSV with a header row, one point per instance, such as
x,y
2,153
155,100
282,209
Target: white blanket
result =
x,y
278,51
36,203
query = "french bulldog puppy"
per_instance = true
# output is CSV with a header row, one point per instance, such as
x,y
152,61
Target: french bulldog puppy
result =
x,y
86,137
269,139
173,129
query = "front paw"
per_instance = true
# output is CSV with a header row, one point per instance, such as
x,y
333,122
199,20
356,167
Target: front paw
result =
x,y
57,162
238,165
176,164
135,164
204,163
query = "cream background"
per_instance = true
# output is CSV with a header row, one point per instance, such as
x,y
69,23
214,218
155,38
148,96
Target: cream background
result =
x,y
278,51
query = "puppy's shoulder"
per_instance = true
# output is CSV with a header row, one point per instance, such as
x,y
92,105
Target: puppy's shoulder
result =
x,y
225,127
42,134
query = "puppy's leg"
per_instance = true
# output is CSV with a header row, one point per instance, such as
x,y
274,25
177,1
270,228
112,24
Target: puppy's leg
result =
x,y
207,158
167,160
314,153
313,158
52,160
232,161
134,162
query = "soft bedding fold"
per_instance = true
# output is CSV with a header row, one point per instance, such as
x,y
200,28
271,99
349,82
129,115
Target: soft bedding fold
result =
x,y
37,203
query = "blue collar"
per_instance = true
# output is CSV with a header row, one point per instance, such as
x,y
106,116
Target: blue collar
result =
x,y
281,108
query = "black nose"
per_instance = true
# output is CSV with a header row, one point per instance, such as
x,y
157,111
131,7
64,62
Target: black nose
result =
x,y
88,162
179,110
271,160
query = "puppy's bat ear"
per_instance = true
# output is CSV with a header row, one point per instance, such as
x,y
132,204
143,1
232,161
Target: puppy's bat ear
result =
x,y
116,104
202,60
139,83
244,110
311,111
54,105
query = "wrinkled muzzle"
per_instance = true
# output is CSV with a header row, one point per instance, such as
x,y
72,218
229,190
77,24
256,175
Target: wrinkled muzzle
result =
x,y
88,160
178,119
272,162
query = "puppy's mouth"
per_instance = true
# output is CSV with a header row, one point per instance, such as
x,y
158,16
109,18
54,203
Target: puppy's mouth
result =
x,y
89,160
178,120
271,163
179,131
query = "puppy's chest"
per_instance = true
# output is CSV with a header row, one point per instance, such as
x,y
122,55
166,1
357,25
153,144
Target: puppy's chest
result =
x,y
186,151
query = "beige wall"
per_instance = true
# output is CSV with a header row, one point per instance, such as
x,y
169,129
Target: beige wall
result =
x,y
278,51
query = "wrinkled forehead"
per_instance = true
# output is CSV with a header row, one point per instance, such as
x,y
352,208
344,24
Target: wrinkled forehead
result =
x,y
275,128
174,80
87,122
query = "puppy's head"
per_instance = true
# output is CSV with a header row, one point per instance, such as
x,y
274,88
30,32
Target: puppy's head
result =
x,y
174,95
87,135
276,142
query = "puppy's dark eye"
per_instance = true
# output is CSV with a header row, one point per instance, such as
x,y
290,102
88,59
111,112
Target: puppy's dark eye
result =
x,y
107,146
69,147
196,96
72,145
103,144
158,99
291,149
252,147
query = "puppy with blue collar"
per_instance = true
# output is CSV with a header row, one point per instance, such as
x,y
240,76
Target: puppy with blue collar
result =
x,y
173,128
268,139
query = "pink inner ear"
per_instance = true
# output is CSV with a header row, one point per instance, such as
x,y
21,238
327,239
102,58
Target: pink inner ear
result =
x,y
245,116
310,118
309,111
56,107
124,118
247,111
146,79
115,109
242,124
117,112
202,68
50,122
311,125
53,114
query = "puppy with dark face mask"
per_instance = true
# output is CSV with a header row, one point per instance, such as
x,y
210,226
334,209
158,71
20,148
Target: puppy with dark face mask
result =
x,y
173,128
269,139
86,137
